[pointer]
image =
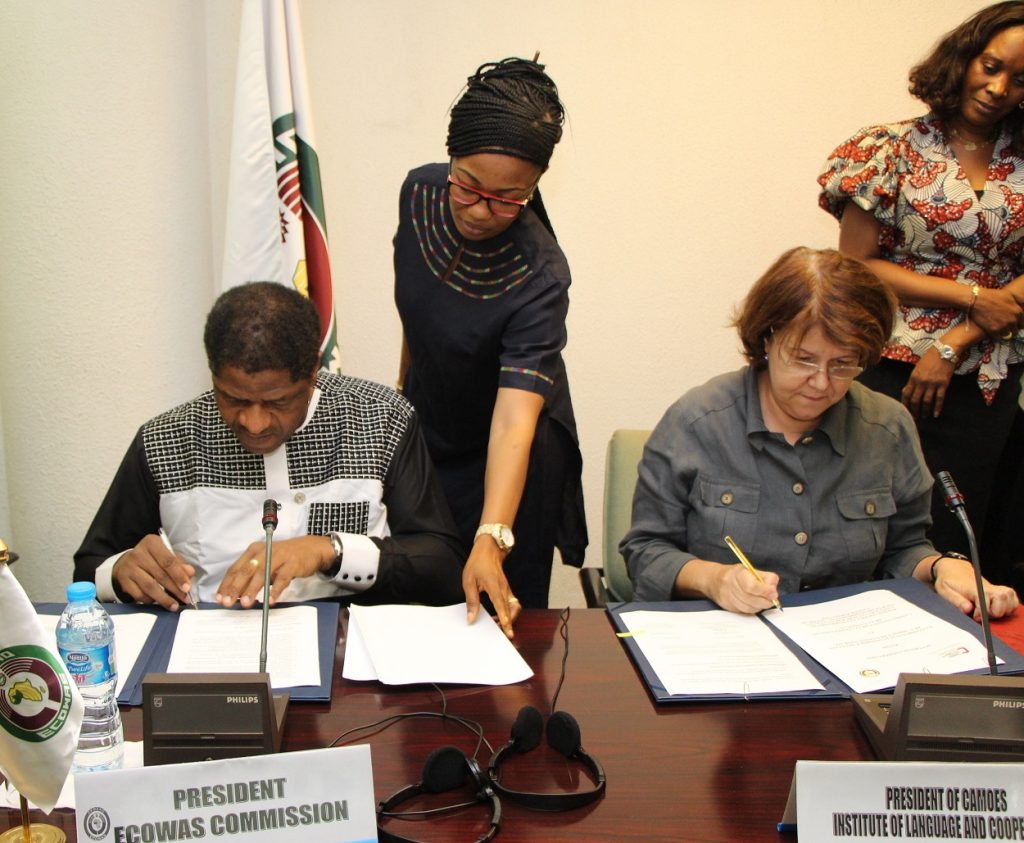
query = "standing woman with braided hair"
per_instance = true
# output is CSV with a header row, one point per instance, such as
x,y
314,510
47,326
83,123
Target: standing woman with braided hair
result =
x,y
481,287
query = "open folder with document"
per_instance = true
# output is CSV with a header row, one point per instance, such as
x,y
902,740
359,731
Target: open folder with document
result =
x,y
212,639
827,643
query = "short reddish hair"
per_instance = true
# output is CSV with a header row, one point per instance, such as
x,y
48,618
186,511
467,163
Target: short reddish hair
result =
x,y
808,287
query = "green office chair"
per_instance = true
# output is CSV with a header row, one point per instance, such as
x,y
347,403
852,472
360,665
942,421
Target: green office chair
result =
x,y
611,583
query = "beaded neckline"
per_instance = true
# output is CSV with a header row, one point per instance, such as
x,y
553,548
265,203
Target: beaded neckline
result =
x,y
474,272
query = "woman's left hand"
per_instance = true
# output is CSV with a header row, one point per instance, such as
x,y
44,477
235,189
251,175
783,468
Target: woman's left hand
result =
x,y
483,573
956,583
925,391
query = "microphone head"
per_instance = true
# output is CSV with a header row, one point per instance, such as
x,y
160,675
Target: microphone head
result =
x,y
951,493
270,508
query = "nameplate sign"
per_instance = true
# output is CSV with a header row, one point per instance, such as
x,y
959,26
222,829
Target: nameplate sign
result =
x,y
316,796
906,800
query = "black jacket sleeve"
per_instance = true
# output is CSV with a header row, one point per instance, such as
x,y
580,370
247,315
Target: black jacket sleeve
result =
x,y
130,510
421,561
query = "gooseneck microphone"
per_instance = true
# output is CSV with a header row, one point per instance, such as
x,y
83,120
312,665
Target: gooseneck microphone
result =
x,y
270,508
955,504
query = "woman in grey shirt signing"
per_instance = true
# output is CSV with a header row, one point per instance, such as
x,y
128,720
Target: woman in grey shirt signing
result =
x,y
820,479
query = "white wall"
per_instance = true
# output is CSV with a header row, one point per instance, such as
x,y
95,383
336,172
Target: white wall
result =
x,y
696,130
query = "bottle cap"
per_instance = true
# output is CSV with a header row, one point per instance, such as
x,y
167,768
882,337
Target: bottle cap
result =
x,y
79,591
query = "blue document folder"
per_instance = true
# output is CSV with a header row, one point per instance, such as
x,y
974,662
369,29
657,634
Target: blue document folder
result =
x,y
832,687
156,653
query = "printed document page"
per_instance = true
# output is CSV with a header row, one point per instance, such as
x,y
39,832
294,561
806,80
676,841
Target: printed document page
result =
x,y
868,639
228,641
716,652
400,645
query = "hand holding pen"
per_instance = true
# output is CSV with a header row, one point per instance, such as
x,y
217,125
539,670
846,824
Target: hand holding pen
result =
x,y
152,573
747,564
170,547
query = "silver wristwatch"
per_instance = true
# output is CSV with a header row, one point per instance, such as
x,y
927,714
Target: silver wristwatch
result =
x,y
339,553
501,533
946,352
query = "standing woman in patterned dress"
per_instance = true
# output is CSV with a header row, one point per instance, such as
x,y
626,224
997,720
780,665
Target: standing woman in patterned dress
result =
x,y
481,287
935,206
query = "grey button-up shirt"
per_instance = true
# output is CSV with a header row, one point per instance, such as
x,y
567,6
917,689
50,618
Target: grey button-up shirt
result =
x,y
848,502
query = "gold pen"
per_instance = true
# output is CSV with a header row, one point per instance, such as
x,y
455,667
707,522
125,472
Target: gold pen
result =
x,y
170,547
735,548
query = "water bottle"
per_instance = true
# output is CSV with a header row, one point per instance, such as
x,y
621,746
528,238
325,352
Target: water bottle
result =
x,y
85,641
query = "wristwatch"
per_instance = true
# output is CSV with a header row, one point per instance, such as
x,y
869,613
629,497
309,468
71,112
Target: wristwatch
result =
x,y
946,352
950,555
501,533
339,553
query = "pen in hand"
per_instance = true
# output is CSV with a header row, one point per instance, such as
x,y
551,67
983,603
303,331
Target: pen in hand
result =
x,y
167,544
735,548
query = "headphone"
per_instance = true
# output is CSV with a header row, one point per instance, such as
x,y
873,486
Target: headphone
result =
x,y
563,734
446,768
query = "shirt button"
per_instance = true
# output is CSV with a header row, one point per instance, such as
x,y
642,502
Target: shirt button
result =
x,y
800,538
727,498
300,497
869,507
798,488
807,440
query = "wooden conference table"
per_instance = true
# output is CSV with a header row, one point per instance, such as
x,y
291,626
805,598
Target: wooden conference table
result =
x,y
693,772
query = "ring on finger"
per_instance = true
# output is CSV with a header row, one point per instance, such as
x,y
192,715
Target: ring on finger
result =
x,y
254,562
513,599
1007,336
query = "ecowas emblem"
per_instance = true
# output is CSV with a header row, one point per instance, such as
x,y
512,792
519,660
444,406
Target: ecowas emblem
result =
x,y
35,693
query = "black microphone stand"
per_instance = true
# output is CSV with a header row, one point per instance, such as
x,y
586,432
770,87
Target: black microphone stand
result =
x,y
956,505
270,508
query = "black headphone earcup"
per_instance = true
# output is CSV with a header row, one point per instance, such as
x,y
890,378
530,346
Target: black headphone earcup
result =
x,y
527,729
444,769
564,733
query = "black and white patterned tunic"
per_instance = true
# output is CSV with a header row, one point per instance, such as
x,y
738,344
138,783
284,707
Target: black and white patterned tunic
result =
x,y
357,465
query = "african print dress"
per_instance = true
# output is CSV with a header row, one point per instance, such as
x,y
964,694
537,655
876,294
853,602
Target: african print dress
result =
x,y
933,223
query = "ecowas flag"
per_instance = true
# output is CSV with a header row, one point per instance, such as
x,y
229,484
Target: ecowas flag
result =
x,y
40,707
276,229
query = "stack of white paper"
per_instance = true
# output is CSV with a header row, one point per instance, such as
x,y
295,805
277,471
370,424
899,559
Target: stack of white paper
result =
x,y
401,645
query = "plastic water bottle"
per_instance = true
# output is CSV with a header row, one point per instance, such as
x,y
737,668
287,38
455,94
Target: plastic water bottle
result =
x,y
85,641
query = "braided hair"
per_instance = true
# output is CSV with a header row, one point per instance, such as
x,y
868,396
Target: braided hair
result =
x,y
510,107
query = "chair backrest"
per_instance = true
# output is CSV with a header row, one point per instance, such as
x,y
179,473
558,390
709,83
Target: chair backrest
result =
x,y
620,472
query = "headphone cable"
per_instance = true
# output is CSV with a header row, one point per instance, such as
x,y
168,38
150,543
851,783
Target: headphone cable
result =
x,y
563,631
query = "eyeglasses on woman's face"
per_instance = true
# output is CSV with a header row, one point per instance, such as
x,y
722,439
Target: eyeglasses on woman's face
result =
x,y
498,205
798,365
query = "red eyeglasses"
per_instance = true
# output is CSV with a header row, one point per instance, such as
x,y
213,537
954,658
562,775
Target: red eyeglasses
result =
x,y
499,206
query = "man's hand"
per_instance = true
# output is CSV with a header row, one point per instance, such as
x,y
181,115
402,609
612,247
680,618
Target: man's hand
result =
x,y
483,572
291,558
150,573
